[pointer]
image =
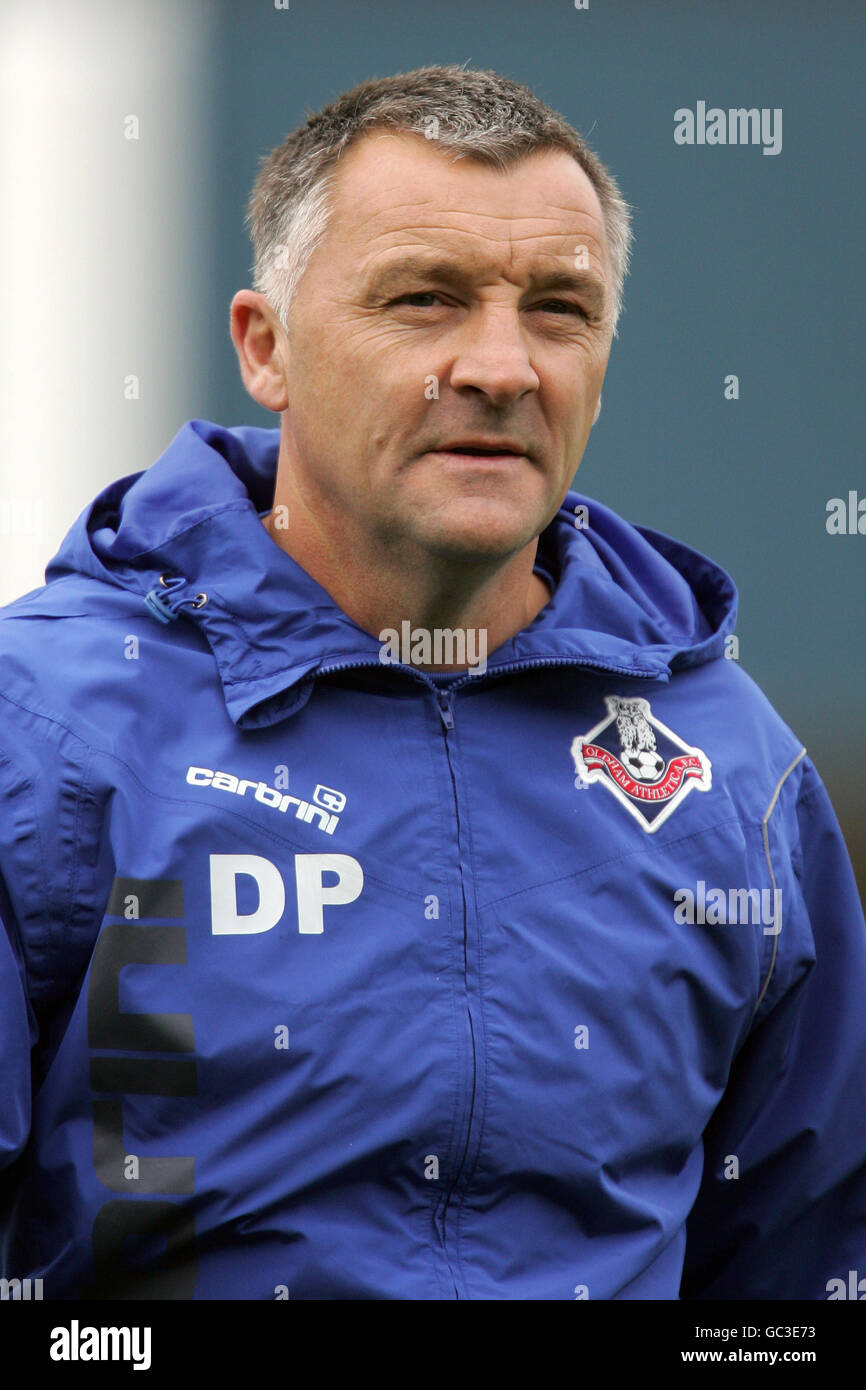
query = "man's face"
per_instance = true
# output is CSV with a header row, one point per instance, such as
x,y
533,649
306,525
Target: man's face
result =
x,y
448,304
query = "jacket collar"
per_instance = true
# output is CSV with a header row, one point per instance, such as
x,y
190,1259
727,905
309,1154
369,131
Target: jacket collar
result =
x,y
626,599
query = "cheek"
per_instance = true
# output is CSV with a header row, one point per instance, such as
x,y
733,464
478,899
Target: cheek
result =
x,y
572,373
570,404
351,371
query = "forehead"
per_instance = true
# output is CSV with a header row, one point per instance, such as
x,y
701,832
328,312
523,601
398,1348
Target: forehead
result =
x,y
401,190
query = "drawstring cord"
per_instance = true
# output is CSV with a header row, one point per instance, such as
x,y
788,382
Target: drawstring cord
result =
x,y
165,606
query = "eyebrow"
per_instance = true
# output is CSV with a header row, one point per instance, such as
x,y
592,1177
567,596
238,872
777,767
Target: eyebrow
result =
x,y
589,286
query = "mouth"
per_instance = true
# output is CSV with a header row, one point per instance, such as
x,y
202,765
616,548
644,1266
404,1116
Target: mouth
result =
x,y
505,451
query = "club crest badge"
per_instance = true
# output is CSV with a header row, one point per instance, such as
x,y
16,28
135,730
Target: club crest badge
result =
x,y
646,766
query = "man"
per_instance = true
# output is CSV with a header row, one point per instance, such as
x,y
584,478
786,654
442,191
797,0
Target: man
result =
x,y
403,897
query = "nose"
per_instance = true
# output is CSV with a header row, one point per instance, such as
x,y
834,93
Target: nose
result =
x,y
492,356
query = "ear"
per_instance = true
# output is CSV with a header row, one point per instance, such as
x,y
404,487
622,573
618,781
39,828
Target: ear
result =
x,y
262,348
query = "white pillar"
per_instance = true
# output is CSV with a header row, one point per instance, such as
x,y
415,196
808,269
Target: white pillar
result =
x,y
104,253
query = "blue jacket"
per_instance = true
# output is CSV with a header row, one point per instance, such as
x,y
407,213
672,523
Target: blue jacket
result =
x,y
321,978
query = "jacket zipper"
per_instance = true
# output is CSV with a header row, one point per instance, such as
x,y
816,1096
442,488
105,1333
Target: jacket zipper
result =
x,y
656,673
446,713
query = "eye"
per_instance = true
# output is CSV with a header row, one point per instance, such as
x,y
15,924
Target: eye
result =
x,y
563,304
417,294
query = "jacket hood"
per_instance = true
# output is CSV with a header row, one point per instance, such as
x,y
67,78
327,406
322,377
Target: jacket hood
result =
x,y
186,537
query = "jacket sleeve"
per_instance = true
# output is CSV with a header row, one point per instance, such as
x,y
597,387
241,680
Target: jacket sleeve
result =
x,y
17,1036
781,1212
51,887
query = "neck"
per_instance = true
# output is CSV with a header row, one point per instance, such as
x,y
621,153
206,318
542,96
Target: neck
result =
x,y
380,589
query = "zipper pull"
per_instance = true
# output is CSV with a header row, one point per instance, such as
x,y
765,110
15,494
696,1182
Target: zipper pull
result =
x,y
445,710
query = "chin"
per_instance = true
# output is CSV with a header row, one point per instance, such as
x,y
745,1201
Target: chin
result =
x,y
497,538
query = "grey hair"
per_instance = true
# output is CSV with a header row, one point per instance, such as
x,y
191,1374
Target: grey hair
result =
x,y
477,114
